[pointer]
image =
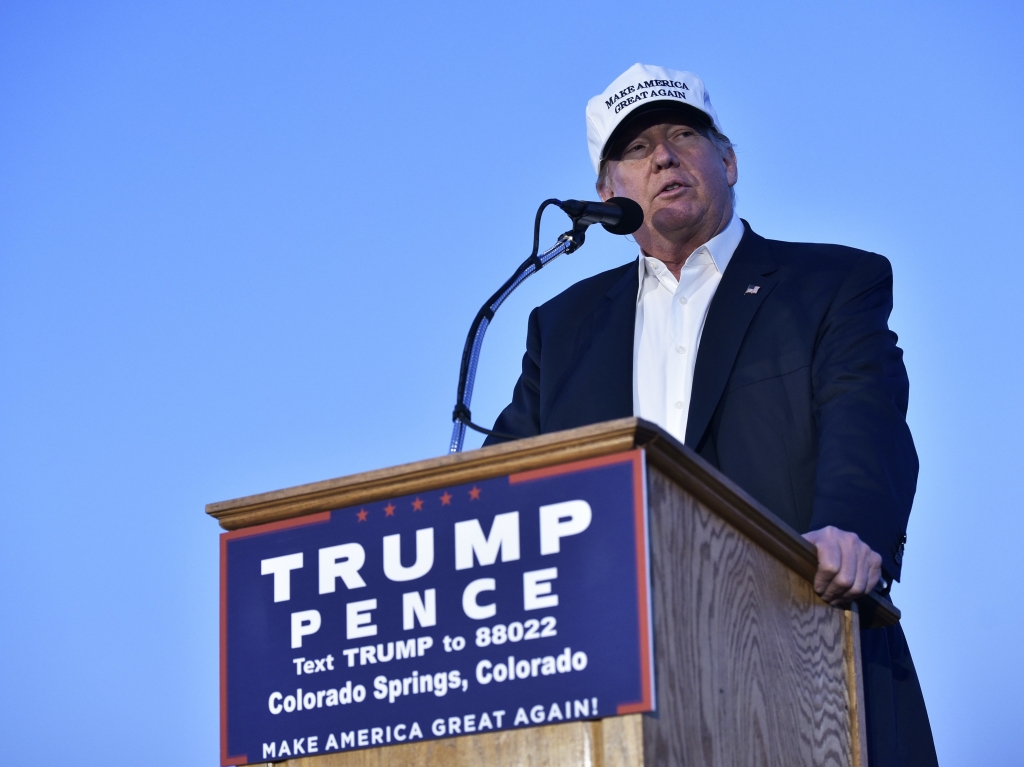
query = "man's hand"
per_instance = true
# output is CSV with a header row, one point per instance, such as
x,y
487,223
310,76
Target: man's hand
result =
x,y
847,567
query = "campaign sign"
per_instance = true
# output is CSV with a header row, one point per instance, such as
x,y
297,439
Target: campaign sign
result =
x,y
505,603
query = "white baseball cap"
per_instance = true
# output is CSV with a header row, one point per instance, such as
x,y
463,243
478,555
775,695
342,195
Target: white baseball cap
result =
x,y
643,88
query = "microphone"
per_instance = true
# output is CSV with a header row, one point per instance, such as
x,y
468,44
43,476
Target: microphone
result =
x,y
620,215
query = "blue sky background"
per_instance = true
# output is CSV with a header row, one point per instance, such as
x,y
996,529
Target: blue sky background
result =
x,y
240,245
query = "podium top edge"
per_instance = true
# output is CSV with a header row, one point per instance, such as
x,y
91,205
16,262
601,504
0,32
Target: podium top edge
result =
x,y
506,458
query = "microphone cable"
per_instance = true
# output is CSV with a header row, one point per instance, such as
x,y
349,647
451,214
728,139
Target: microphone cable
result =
x,y
471,350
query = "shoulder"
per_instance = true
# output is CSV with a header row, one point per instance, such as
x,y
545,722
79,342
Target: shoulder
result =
x,y
810,271
817,280
588,292
823,258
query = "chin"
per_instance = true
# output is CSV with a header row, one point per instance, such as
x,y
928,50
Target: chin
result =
x,y
673,218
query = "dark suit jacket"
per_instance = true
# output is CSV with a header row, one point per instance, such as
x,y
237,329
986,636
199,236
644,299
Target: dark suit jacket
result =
x,y
799,395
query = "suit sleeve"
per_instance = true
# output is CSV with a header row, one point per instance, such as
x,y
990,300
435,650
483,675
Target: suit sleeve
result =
x,y
522,416
867,465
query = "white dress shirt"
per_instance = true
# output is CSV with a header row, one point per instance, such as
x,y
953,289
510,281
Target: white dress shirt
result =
x,y
670,317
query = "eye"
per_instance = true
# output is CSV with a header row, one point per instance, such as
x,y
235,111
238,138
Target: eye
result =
x,y
683,133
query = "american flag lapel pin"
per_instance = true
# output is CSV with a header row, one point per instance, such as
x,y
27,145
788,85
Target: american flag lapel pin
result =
x,y
752,289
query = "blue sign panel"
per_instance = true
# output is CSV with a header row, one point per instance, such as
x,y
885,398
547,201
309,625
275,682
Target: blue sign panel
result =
x,y
505,603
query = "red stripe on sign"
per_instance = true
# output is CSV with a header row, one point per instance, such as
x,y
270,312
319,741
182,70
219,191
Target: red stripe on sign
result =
x,y
646,702
568,468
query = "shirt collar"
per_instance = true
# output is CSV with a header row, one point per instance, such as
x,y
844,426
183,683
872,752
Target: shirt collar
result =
x,y
721,247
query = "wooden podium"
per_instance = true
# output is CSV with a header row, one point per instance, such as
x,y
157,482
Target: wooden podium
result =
x,y
752,668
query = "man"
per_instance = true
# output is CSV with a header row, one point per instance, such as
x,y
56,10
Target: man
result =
x,y
771,360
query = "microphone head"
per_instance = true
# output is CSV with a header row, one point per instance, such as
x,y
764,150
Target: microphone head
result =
x,y
632,216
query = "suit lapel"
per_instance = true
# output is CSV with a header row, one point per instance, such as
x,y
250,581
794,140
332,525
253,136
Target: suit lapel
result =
x,y
602,359
617,323
740,294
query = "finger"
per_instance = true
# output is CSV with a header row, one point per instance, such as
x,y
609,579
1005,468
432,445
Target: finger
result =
x,y
869,570
846,575
874,571
829,562
860,581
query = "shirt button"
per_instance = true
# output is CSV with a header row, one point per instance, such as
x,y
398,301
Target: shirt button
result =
x,y
679,405
681,349
682,299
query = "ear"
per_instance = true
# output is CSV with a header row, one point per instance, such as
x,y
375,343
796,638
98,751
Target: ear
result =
x,y
605,190
732,173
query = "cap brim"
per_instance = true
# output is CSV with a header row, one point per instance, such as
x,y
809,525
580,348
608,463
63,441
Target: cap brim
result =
x,y
665,105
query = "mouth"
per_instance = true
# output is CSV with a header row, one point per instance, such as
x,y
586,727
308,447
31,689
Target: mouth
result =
x,y
670,189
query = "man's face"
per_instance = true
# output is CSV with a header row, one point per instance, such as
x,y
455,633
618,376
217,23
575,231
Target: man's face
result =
x,y
678,177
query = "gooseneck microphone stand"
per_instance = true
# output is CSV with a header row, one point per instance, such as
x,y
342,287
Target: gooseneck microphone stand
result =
x,y
567,243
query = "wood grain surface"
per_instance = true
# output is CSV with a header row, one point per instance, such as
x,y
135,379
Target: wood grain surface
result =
x,y
751,666
855,686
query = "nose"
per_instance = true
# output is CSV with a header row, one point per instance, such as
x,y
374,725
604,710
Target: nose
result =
x,y
664,156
